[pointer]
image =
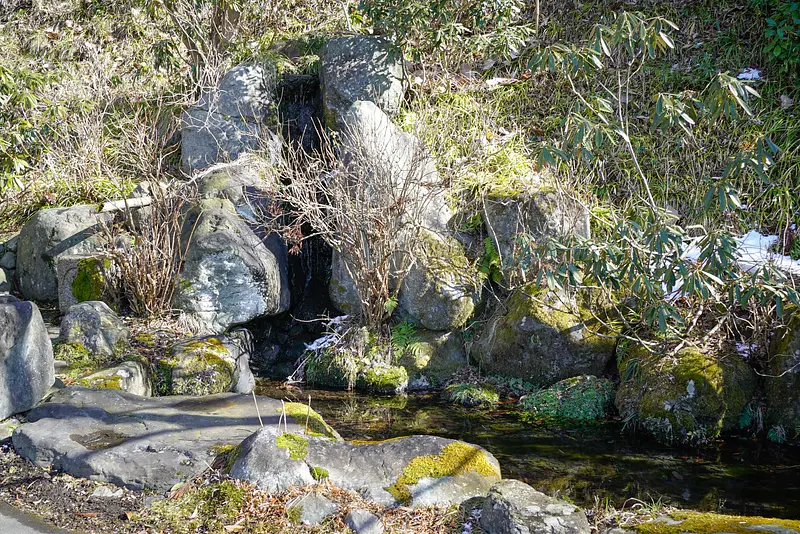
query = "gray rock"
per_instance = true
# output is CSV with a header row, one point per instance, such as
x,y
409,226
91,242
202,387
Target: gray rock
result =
x,y
542,338
26,358
231,120
130,376
230,276
116,437
442,288
8,261
433,358
8,299
537,214
393,158
342,289
244,182
104,492
95,327
12,243
49,234
211,364
8,426
5,281
370,469
513,507
359,68
81,277
313,508
363,522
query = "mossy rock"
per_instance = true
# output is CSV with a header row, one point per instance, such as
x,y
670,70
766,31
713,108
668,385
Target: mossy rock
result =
x,y
296,445
383,379
690,398
90,279
782,380
685,521
581,398
472,394
432,358
327,368
543,337
308,418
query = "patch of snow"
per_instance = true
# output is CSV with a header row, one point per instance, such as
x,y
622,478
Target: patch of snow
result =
x,y
749,74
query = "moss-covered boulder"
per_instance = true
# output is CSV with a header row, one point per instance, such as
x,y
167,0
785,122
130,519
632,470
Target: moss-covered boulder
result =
x,y
542,337
581,398
782,380
207,365
132,376
432,357
471,394
83,277
442,288
341,369
690,398
92,336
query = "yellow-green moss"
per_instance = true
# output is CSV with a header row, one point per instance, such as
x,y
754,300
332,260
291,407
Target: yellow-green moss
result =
x,y
319,473
389,379
472,394
316,424
90,280
456,458
707,523
296,445
109,381
295,514
198,367
147,340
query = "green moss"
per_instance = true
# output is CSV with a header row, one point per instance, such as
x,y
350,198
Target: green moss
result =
x,y
297,445
327,368
90,280
319,473
691,398
199,367
147,340
707,523
472,394
316,424
383,379
295,514
79,359
582,398
456,458
108,381
204,509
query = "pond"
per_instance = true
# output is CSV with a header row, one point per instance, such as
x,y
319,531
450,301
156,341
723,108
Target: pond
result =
x,y
741,476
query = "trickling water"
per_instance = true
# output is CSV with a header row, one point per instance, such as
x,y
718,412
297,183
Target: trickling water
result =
x,y
740,477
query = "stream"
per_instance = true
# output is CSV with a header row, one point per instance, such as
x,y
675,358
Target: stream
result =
x,y
740,477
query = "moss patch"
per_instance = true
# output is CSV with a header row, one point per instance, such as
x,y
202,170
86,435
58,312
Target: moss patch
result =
x,y
205,509
706,523
296,445
197,367
90,280
319,473
582,398
316,424
472,394
455,458
383,379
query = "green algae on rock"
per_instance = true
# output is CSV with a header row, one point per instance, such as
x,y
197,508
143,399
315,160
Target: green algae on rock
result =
x,y
690,398
472,394
581,398
542,337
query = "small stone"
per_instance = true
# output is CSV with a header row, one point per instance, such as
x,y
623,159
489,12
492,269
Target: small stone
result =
x,y
786,102
363,522
313,508
104,492
8,260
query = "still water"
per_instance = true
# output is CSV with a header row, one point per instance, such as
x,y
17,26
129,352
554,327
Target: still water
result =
x,y
742,477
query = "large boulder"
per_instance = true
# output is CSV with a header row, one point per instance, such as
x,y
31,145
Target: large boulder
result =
x,y
689,398
442,288
542,338
342,289
81,278
230,276
232,119
782,380
91,334
414,471
208,365
513,507
26,357
154,443
537,213
432,357
359,68
49,234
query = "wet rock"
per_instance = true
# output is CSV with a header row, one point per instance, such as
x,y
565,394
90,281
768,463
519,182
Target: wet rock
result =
x,y
359,68
232,119
513,507
230,275
49,234
415,471
690,398
363,522
26,357
311,509
92,327
208,365
136,442
131,376
342,289
542,338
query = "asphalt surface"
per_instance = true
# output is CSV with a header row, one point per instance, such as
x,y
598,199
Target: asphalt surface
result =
x,y
14,522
